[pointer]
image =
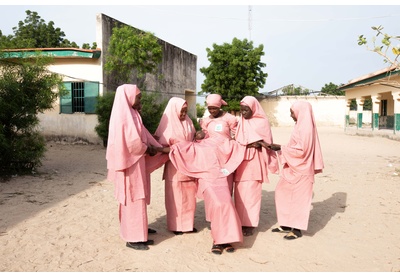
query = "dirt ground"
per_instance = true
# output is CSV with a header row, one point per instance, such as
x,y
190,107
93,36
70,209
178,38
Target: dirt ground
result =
x,y
65,219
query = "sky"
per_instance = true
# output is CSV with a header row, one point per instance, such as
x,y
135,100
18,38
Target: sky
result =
x,y
306,44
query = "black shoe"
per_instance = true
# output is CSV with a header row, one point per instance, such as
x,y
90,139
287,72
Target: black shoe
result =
x,y
178,233
151,231
282,229
141,245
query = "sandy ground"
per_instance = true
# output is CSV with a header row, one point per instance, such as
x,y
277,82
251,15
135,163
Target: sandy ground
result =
x,y
64,218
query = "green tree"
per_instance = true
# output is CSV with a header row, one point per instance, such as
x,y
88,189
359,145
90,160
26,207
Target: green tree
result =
x,y
131,49
332,89
200,110
235,70
26,89
385,47
34,32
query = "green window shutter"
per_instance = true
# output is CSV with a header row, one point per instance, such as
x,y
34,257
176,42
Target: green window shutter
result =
x,y
66,100
91,94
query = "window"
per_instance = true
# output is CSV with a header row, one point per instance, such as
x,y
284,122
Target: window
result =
x,y
81,98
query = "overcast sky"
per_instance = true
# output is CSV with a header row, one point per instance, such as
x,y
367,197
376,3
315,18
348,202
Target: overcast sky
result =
x,y
305,45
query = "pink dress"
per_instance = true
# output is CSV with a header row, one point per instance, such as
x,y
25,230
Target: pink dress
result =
x,y
301,159
180,189
128,166
254,169
211,160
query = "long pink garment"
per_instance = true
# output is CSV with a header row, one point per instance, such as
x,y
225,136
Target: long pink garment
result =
x,y
254,169
180,189
301,159
210,161
126,163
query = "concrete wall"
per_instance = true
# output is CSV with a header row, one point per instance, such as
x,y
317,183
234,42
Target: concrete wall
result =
x,y
328,110
176,74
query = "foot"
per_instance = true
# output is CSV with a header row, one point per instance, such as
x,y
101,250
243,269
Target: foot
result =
x,y
228,248
294,234
178,233
247,231
281,229
217,249
151,231
140,245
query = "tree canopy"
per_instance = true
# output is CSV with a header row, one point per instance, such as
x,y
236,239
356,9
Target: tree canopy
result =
x,y
34,32
235,70
130,49
332,89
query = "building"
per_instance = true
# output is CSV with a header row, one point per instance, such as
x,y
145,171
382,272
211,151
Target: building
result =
x,y
382,89
73,116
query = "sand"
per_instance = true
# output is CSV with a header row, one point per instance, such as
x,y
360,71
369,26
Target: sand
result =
x,y
65,219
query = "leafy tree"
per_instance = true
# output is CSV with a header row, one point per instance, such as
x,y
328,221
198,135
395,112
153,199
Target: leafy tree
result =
x,y
129,49
235,70
200,110
34,32
332,89
26,89
384,46
291,90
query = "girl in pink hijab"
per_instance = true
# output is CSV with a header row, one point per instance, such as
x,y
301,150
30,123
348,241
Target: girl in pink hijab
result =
x,y
131,158
301,159
252,129
180,190
219,123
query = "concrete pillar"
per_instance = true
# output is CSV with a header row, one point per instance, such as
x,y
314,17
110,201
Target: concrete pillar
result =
x,y
347,113
396,98
360,108
376,101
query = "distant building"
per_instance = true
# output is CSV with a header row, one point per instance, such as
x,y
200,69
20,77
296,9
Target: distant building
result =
x,y
382,87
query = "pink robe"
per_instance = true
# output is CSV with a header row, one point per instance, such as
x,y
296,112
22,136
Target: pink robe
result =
x,y
210,161
128,166
301,159
180,189
253,171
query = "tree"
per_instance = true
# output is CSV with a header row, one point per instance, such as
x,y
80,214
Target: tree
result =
x,y
26,89
384,46
34,32
131,49
235,70
332,89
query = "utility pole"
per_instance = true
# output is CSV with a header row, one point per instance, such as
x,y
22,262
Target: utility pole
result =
x,y
250,22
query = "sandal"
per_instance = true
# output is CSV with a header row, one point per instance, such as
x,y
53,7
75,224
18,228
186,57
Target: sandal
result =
x,y
217,249
247,231
281,229
228,248
293,235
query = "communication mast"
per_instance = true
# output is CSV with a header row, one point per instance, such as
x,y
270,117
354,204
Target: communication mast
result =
x,y
250,22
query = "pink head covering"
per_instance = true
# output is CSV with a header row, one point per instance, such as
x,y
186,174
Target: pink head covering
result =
x,y
305,138
127,137
255,129
171,129
215,100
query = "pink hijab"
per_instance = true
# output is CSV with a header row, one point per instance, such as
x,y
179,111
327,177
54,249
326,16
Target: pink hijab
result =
x,y
127,138
171,129
303,152
215,100
255,129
